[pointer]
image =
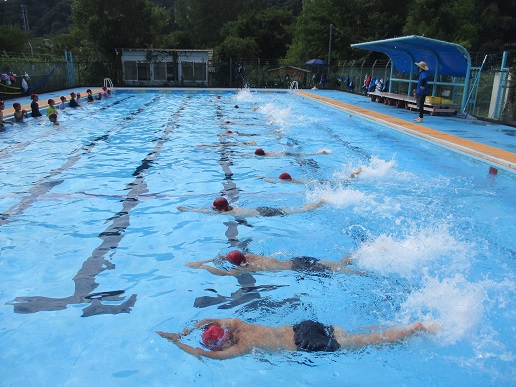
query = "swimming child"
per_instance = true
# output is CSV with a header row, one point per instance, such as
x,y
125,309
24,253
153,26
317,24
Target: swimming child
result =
x,y
34,106
261,152
229,338
90,95
73,103
53,118
51,109
19,113
253,262
221,206
62,105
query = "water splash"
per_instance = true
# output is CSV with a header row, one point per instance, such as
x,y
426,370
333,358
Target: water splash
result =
x,y
244,95
376,168
455,303
430,249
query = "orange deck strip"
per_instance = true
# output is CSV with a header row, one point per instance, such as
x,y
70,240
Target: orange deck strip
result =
x,y
500,157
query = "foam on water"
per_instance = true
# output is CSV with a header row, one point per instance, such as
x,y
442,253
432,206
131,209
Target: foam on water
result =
x,y
430,249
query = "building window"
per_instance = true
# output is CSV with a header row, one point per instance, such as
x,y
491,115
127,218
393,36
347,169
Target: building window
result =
x,y
144,71
200,71
172,71
130,71
160,71
187,71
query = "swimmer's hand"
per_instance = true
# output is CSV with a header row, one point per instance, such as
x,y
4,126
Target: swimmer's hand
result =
x,y
182,208
324,152
197,264
174,337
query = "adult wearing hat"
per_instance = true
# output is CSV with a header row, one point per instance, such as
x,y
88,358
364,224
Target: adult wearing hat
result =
x,y
422,89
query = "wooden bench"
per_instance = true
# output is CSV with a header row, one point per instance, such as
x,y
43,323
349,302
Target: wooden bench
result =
x,y
435,108
391,99
404,101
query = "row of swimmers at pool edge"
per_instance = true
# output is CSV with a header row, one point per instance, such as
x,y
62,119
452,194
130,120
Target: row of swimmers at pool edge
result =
x,y
52,111
228,338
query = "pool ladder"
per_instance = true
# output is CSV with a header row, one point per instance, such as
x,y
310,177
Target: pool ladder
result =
x,y
294,85
108,83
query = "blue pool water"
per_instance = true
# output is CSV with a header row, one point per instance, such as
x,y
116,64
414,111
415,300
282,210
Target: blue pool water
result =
x,y
93,248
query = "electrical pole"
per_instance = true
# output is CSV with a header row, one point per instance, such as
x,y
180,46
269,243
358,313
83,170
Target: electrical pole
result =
x,y
25,24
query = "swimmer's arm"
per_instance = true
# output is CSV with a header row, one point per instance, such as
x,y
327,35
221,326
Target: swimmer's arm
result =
x,y
175,337
211,269
387,337
355,172
307,207
201,210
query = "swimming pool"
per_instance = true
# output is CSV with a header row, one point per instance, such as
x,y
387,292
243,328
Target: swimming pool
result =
x,y
93,246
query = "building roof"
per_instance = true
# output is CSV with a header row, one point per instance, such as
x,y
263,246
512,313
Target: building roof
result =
x,y
442,58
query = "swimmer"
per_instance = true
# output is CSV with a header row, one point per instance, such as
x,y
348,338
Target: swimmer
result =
x,y
53,118
35,106
261,152
19,113
253,262
2,122
62,104
284,177
90,95
73,102
246,143
221,206
51,109
229,338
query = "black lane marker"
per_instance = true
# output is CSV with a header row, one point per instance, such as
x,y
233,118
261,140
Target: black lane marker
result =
x,y
85,279
45,184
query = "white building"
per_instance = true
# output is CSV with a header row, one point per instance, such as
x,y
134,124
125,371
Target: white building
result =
x,y
164,67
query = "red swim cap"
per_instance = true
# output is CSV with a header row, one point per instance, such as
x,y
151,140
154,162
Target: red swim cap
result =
x,y
214,337
50,101
236,257
63,98
285,176
32,96
259,152
72,93
88,91
221,204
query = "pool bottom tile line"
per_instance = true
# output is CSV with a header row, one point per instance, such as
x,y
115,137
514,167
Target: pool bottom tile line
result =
x,y
489,154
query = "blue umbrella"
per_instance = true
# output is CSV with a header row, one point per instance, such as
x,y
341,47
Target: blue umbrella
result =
x,y
317,62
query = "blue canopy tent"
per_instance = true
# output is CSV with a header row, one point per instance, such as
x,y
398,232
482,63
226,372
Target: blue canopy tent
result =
x,y
442,58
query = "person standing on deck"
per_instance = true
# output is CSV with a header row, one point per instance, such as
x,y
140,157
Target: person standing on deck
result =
x,y
422,89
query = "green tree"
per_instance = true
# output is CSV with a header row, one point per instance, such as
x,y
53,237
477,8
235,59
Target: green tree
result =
x,y
117,23
270,29
236,48
12,39
352,21
496,20
203,19
450,20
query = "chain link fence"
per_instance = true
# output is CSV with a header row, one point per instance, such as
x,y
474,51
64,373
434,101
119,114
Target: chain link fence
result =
x,y
494,97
